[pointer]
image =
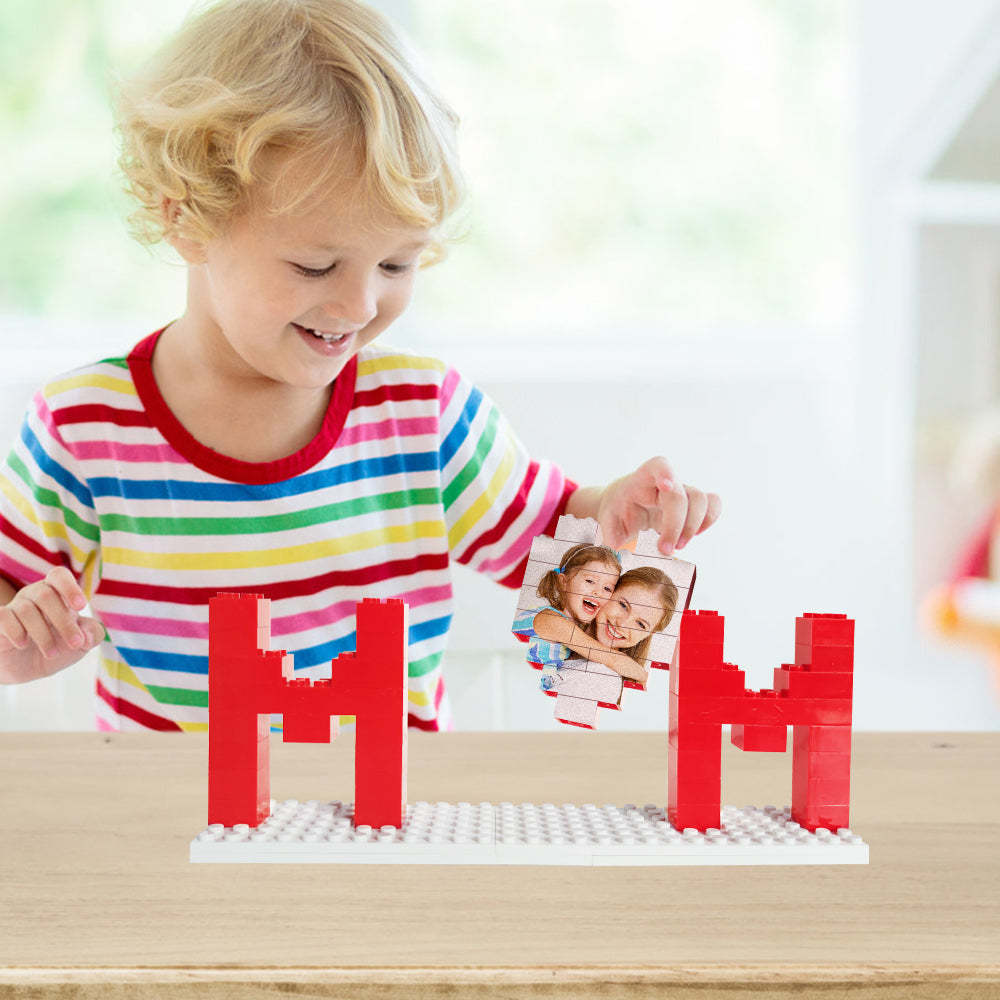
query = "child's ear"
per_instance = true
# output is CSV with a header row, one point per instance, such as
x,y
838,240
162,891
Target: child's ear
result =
x,y
191,250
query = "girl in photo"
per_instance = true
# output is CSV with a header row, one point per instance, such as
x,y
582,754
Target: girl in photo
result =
x,y
574,592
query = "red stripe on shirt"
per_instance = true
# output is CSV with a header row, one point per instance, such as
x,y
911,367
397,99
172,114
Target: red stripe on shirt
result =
x,y
394,393
136,714
31,545
362,576
516,507
515,578
97,413
427,725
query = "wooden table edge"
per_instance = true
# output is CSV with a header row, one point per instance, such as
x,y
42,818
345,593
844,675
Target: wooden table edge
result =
x,y
678,974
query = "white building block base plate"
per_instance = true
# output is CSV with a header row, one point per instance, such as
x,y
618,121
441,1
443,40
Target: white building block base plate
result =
x,y
448,833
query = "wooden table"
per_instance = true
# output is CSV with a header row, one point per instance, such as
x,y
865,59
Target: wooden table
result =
x,y
98,898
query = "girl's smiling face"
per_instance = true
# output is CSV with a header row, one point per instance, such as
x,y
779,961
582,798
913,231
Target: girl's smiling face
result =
x,y
586,588
629,616
290,297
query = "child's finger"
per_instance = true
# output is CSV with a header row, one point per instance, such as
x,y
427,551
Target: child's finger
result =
x,y
713,512
36,627
12,633
613,531
93,631
658,468
697,507
673,506
60,618
641,674
62,581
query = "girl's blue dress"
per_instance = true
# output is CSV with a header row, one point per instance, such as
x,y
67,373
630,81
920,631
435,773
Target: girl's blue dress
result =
x,y
548,654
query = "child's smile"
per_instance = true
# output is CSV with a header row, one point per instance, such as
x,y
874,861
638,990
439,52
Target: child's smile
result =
x,y
327,344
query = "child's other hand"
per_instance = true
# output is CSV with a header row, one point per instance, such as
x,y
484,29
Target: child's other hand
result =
x,y
629,669
41,631
651,497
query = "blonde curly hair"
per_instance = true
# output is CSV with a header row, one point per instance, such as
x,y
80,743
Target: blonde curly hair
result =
x,y
326,81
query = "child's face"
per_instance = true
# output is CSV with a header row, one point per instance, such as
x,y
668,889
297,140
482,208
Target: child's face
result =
x,y
629,616
587,588
336,266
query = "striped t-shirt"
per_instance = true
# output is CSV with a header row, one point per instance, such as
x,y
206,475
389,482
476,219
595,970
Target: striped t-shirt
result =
x,y
413,467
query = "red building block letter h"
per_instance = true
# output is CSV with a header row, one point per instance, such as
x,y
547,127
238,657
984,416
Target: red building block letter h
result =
x,y
247,681
813,695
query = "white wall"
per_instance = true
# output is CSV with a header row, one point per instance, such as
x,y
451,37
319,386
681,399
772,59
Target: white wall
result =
x,y
765,426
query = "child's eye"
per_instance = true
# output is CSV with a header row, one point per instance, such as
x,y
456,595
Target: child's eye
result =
x,y
396,268
313,272
322,272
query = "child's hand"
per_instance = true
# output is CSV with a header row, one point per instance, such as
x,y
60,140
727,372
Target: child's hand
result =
x,y
650,497
623,665
40,630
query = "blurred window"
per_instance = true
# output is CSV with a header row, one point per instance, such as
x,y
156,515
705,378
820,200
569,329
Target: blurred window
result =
x,y
672,165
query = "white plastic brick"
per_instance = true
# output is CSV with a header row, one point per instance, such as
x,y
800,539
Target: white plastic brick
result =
x,y
533,574
646,544
589,684
592,667
661,647
547,550
524,833
582,711
578,529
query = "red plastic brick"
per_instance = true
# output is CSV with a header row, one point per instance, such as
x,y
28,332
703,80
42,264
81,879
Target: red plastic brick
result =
x,y
832,659
770,739
813,683
824,630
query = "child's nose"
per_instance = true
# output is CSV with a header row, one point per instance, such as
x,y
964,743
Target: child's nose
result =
x,y
353,300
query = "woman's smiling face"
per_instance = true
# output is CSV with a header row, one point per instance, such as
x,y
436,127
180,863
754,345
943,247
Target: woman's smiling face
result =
x,y
628,617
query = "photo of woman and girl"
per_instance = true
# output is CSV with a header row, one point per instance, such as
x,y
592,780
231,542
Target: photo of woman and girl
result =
x,y
596,612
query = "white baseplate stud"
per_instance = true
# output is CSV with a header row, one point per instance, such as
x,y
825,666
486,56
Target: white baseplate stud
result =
x,y
463,833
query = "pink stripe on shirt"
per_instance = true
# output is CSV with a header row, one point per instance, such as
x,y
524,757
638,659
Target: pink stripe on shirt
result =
x,y
118,451
287,625
18,571
448,388
385,429
155,626
346,609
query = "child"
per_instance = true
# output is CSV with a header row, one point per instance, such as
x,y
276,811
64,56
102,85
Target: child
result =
x,y
574,591
291,154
